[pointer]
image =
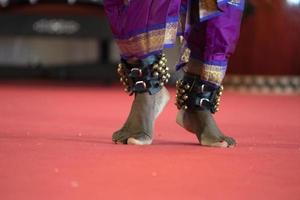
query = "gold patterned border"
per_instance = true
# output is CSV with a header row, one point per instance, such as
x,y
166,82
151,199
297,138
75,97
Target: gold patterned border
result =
x,y
213,73
148,42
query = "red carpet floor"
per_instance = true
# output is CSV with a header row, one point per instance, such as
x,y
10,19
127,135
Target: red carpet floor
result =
x,y
55,144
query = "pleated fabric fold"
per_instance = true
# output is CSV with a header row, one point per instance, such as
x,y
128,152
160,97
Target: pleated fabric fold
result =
x,y
209,29
143,27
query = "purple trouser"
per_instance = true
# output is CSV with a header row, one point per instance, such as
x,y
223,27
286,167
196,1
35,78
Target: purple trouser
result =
x,y
209,29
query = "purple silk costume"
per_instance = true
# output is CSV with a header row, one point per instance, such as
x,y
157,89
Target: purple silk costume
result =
x,y
210,30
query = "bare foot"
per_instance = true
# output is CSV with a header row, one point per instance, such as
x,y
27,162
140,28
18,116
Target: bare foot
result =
x,y
204,126
138,128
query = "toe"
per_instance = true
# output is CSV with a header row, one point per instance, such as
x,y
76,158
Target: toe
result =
x,y
230,141
121,142
223,142
116,135
120,137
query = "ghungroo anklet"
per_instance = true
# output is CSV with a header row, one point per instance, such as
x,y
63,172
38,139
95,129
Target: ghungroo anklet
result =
x,y
140,77
194,93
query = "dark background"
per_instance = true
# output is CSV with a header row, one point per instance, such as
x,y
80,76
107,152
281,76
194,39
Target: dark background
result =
x,y
269,42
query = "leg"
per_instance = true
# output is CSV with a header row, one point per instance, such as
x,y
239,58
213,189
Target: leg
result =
x,y
211,43
138,128
197,100
146,82
141,35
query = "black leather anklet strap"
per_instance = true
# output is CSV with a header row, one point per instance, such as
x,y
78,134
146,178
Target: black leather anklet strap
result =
x,y
140,77
194,93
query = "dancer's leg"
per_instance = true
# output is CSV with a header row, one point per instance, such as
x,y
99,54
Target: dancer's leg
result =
x,y
142,29
210,45
150,98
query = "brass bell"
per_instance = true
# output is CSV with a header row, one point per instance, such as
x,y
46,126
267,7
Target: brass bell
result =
x,y
187,86
180,101
156,74
185,107
185,97
119,70
182,91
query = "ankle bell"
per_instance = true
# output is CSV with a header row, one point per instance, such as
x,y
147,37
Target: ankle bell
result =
x,y
195,94
140,77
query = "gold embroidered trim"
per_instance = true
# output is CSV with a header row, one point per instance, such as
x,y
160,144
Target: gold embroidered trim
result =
x,y
171,31
213,73
148,42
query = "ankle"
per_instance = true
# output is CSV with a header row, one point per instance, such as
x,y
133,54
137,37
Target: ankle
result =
x,y
193,67
211,73
146,75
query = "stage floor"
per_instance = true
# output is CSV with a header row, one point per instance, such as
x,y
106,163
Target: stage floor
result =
x,y
55,143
